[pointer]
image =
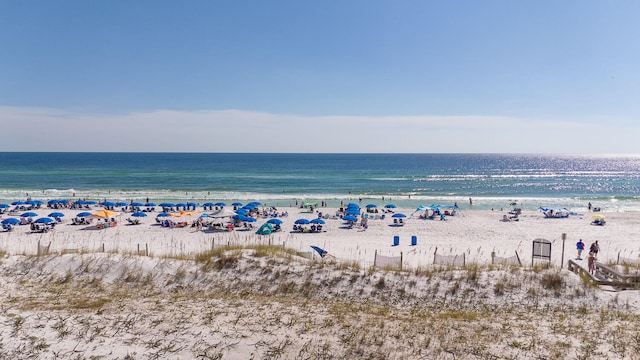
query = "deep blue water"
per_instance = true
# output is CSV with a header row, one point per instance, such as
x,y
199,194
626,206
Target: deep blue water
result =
x,y
405,179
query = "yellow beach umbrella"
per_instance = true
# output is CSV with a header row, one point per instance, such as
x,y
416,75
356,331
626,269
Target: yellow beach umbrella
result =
x,y
105,214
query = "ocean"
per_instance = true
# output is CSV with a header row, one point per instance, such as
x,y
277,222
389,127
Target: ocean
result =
x,y
611,182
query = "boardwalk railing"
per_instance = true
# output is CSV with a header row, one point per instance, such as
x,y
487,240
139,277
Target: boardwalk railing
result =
x,y
606,275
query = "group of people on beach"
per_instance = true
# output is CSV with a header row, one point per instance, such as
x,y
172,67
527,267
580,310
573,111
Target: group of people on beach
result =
x,y
593,254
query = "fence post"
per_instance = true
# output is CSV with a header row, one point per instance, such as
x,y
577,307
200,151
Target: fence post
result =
x,y
400,260
518,257
434,255
375,257
564,237
493,257
146,249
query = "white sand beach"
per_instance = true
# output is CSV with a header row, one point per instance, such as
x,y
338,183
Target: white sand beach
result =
x,y
135,291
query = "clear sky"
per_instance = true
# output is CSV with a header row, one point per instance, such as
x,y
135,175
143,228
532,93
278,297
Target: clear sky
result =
x,y
320,76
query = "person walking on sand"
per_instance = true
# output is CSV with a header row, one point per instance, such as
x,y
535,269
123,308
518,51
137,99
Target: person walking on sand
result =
x,y
594,248
580,247
592,263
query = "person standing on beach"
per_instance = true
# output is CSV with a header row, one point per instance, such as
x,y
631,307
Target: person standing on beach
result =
x,y
580,247
592,263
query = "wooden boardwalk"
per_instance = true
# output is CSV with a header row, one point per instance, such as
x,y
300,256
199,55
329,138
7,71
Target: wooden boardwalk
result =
x,y
605,275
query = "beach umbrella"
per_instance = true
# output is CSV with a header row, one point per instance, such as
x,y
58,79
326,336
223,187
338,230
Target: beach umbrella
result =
x,y
353,205
390,206
167,205
18,203
250,219
84,214
371,206
302,221
135,203
355,212
204,215
53,202
399,215
220,204
207,204
150,204
320,251
121,203
10,221
192,204
4,206
34,202
163,214
243,211
181,205
56,215
254,203
108,203
350,218
139,214
236,204
44,220
29,214
275,221
105,214
90,202
317,221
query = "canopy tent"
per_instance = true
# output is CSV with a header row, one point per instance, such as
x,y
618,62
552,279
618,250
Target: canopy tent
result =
x,y
265,229
224,212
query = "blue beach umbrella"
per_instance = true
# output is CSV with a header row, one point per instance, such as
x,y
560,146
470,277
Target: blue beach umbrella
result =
x,y
121,203
207,204
242,211
18,203
29,214
390,206
4,206
302,221
150,204
84,214
135,203
108,203
320,251
163,214
275,221
371,206
44,220
10,221
167,205
399,215
34,202
236,204
56,215
317,221
220,203
350,218
139,214
192,204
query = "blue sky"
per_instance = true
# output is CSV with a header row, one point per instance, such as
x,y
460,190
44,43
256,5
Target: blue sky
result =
x,y
322,76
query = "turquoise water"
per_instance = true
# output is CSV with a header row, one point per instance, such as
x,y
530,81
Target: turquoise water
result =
x,y
491,180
